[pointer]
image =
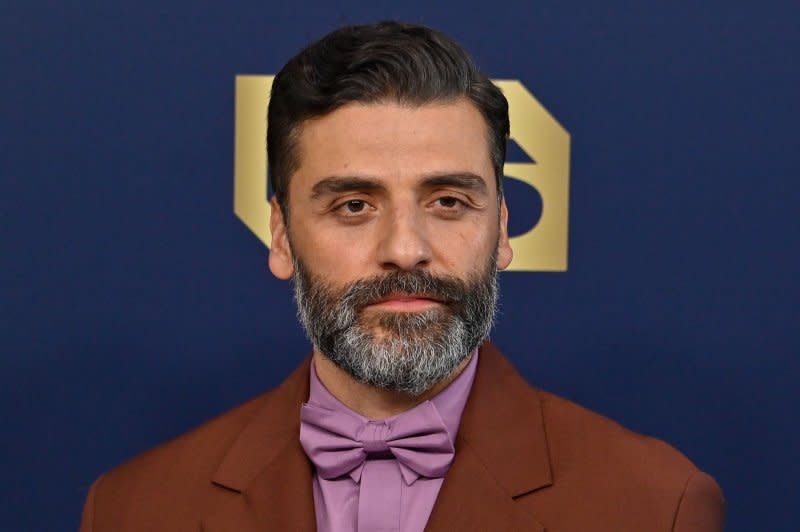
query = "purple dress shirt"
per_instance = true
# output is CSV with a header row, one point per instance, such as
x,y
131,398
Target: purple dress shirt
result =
x,y
336,501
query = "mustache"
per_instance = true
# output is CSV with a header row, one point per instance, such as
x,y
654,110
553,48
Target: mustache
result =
x,y
363,292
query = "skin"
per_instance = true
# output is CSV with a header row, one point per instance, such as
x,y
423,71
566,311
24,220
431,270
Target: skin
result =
x,y
384,187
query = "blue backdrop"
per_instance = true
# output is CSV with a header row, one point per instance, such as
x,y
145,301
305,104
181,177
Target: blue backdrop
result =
x,y
134,304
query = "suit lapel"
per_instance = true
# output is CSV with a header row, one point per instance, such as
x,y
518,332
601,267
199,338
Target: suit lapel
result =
x,y
278,498
472,499
501,453
265,479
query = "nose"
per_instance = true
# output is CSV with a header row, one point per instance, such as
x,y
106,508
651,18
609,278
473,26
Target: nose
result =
x,y
403,243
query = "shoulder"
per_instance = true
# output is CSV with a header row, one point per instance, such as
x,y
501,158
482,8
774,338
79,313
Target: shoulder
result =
x,y
175,473
576,469
169,486
577,434
635,475
200,445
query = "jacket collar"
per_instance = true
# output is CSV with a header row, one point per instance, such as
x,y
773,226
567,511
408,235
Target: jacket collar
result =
x,y
501,453
503,418
265,471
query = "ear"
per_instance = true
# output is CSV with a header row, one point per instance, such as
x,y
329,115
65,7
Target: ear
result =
x,y
280,253
504,251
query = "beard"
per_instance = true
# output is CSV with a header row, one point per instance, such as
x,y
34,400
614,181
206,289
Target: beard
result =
x,y
407,352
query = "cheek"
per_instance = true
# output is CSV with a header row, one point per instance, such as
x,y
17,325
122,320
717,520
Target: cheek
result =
x,y
461,247
335,255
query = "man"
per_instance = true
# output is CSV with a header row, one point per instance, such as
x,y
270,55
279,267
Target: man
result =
x,y
386,150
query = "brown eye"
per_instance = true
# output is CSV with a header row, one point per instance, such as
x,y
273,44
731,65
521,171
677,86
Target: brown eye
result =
x,y
355,206
448,202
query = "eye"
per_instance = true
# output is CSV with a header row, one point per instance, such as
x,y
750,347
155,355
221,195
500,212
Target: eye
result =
x,y
353,209
355,206
450,207
449,202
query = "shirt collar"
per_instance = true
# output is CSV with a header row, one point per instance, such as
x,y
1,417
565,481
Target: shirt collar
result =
x,y
449,402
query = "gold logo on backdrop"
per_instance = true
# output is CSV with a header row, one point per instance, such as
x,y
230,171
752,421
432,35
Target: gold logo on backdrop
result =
x,y
541,137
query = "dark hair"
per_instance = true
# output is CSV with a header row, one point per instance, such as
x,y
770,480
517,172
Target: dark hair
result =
x,y
383,61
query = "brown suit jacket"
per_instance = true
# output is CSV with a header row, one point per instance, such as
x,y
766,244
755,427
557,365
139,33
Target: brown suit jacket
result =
x,y
525,460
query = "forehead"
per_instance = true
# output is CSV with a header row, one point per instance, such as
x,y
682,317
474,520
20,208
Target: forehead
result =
x,y
393,141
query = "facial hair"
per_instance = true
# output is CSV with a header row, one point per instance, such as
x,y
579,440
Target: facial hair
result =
x,y
406,352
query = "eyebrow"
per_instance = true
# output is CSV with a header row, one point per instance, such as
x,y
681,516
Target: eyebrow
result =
x,y
340,184
464,180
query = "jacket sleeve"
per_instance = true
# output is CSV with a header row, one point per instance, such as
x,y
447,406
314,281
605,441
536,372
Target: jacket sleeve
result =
x,y
87,518
702,506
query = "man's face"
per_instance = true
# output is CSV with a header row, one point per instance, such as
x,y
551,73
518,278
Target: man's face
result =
x,y
394,238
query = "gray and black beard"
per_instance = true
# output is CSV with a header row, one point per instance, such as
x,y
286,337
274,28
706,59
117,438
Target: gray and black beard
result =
x,y
407,352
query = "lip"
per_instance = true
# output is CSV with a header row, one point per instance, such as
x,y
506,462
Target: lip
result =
x,y
405,302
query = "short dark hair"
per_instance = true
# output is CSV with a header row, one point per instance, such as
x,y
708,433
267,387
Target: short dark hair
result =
x,y
405,63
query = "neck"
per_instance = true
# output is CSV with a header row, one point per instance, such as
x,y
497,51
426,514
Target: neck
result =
x,y
371,402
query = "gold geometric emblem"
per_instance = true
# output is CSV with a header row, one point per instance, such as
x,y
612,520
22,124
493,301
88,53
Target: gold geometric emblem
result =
x,y
541,137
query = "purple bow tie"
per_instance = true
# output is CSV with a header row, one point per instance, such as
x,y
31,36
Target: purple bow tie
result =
x,y
338,443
